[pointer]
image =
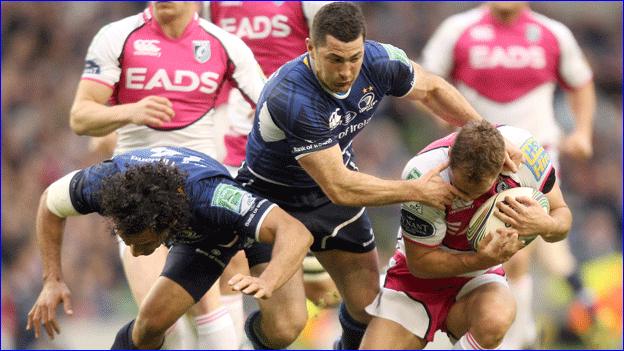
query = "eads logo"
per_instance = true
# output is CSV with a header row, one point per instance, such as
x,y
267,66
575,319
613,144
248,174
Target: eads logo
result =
x,y
257,27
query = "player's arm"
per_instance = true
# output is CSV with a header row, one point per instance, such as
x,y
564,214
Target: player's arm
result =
x,y
350,188
527,216
54,206
91,116
441,98
430,263
291,241
583,103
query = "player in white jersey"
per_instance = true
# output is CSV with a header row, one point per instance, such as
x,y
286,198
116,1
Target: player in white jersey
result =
x,y
507,61
436,281
154,78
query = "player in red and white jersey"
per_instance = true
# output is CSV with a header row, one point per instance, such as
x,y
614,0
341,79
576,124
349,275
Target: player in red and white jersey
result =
x,y
436,281
507,61
153,78
275,31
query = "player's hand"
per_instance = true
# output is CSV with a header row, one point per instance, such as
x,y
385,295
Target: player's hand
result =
x,y
44,310
500,246
153,111
252,286
513,157
434,191
525,215
577,145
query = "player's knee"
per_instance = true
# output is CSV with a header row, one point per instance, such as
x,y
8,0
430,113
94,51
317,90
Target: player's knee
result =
x,y
148,327
492,325
286,331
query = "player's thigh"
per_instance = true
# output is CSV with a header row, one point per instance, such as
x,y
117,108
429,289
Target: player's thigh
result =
x,y
211,301
356,276
143,271
165,302
287,305
385,334
238,264
490,305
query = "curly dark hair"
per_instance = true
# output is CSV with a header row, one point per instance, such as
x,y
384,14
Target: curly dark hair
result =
x,y
147,196
342,20
479,151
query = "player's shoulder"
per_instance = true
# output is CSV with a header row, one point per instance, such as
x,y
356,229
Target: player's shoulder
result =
x,y
294,78
517,136
457,23
120,29
375,51
425,161
228,40
556,28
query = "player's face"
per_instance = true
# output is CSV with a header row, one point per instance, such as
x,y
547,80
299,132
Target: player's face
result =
x,y
337,63
472,189
143,243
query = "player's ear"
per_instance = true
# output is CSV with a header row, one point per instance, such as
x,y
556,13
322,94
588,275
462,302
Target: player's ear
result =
x,y
309,46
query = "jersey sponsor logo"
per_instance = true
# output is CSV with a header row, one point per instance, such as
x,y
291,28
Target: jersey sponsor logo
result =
x,y
482,33
416,226
535,157
146,47
298,149
348,117
183,80
91,67
352,128
367,102
414,174
257,27
512,57
201,50
232,198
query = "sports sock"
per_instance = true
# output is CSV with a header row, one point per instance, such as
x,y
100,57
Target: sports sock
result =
x,y
179,336
123,339
215,331
468,342
234,305
352,331
253,332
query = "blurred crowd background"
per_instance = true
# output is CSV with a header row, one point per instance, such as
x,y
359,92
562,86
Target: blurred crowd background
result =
x,y
43,47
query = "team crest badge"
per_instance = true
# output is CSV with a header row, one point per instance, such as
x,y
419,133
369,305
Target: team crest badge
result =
x,y
201,49
533,33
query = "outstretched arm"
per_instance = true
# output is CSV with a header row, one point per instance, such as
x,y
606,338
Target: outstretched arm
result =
x,y
291,241
49,231
578,144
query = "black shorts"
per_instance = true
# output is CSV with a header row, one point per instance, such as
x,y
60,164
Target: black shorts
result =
x,y
196,268
334,227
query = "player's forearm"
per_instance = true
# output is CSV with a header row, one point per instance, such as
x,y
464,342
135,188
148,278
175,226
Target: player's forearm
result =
x,y
583,105
561,224
49,231
292,241
447,103
94,119
360,189
442,264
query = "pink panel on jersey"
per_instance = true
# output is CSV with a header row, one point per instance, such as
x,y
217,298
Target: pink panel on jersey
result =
x,y
188,70
275,31
504,62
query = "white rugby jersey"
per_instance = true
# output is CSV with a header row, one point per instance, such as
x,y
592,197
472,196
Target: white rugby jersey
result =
x,y
135,58
509,72
430,227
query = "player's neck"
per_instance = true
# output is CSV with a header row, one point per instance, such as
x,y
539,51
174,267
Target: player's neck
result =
x,y
174,26
507,17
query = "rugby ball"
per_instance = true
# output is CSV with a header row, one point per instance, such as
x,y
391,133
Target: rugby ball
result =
x,y
484,220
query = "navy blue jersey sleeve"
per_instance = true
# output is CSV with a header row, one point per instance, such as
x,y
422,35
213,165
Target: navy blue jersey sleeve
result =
x,y
302,115
391,67
224,205
86,184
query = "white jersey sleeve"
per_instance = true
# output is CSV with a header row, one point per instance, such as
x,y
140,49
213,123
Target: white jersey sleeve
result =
x,y
58,199
573,66
536,169
102,61
310,8
247,75
438,54
422,224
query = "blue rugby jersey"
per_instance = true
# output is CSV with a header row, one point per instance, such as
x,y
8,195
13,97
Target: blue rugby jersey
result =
x,y
296,115
223,212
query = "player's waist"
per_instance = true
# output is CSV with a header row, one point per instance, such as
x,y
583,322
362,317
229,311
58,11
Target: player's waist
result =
x,y
399,260
285,195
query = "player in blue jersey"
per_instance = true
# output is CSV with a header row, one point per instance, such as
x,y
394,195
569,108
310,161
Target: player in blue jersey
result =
x,y
177,197
299,155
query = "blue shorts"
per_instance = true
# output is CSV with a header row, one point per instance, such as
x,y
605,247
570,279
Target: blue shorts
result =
x,y
196,268
334,227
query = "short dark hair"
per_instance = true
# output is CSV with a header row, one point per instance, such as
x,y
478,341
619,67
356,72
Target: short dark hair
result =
x,y
342,20
479,151
146,196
